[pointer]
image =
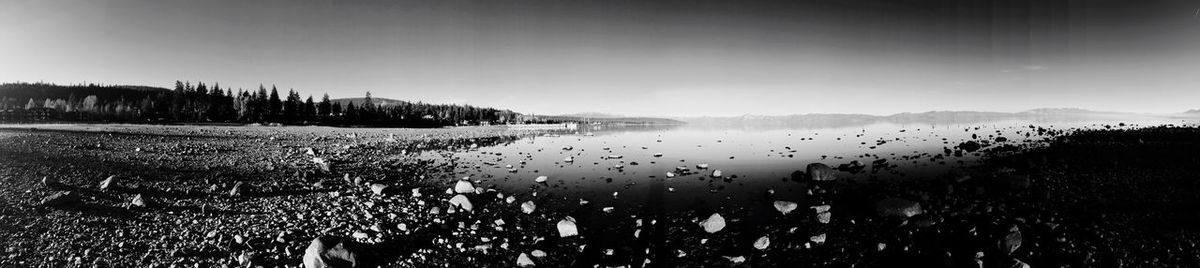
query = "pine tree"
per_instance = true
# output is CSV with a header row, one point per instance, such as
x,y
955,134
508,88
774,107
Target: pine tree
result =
x,y
274,104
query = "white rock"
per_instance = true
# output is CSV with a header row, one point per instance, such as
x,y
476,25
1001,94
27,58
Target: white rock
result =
x,y
510,199
818,239
461,201
378,188
716,173
670,174
821,208
138,201
607,209
464,187
736,259
528,207
524,261
538,253
47,181
762,243
823,217
569,159
416,192
566,227
785,207
109,182
701,166
714,223
541,179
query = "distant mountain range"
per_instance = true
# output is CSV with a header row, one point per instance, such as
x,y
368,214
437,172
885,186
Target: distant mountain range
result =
x,y
937,117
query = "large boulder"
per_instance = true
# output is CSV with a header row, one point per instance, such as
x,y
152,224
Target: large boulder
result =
x,y
820,172
898,207
333,252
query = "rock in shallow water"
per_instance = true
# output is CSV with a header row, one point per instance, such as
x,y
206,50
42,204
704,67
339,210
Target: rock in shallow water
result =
x,y
464,186
820,172
898,207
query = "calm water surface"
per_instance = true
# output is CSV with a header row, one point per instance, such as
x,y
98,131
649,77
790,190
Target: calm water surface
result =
x,y
752,161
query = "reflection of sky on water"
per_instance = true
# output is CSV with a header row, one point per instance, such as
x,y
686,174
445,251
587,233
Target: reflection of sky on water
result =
x,y
760,158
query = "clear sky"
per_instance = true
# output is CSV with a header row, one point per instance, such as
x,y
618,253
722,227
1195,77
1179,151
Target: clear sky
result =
x,y
656,58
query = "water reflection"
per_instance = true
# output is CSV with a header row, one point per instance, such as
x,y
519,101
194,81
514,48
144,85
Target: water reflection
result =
x,y
624,166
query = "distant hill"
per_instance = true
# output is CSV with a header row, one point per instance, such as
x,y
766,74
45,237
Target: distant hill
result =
x,y
25,91
1192,111
937,117
591,115
608,120
379,101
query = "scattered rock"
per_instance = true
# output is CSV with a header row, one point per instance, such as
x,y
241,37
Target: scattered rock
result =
x,y
379,188
823,214
323,164
138,201
541,179
66,198
462,202
524,261
50,182
762,243
785,207
464,186
239,189
1011,241
332,252
818,239
898,207
566,227
713,224
109,183
528,207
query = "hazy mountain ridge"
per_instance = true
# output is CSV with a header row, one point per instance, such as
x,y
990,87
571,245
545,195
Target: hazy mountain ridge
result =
x,y
836,120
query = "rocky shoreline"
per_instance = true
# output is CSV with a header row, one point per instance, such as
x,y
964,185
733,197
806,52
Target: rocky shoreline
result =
x,y
229,196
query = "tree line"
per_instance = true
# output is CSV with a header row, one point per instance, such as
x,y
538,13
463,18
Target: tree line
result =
x,y
202,103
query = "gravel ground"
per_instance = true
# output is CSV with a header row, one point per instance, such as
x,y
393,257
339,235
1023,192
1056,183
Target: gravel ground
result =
x,y
258,196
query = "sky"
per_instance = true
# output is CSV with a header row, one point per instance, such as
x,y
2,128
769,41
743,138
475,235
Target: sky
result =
x,y
643,58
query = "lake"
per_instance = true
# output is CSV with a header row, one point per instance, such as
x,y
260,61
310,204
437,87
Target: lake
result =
x,y
628,166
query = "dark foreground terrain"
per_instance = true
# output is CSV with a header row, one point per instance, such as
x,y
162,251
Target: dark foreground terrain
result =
x,y
244,196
